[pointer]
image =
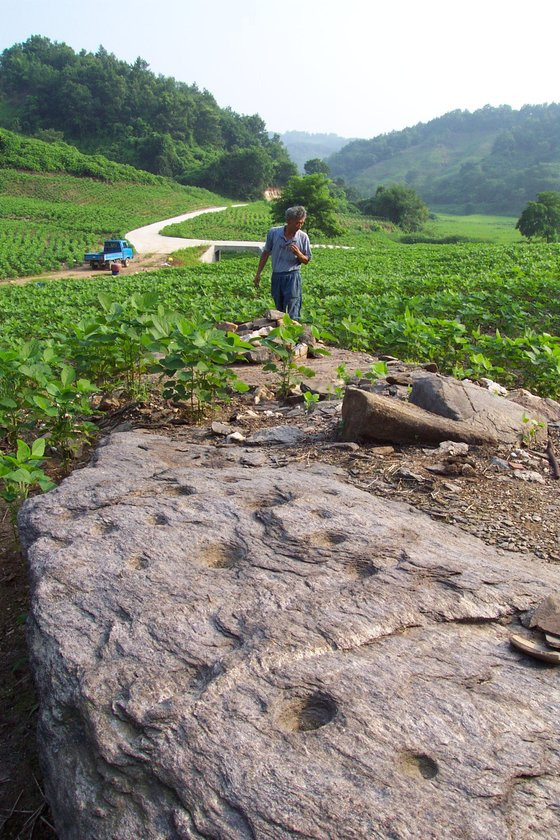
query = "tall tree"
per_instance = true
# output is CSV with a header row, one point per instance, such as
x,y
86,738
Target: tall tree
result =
x,y
311,191
399,204
245,173
541,218
315,165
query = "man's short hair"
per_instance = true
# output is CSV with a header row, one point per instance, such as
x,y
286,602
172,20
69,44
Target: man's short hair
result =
x,y
297,212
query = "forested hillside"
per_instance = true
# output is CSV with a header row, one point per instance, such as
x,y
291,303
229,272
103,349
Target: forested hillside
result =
x,y
125,112
493,160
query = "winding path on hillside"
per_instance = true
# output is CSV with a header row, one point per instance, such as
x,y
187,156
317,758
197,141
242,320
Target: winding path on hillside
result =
x,y
150,240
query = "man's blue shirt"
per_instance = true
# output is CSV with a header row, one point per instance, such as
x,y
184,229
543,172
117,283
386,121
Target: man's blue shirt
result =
x,y
278,247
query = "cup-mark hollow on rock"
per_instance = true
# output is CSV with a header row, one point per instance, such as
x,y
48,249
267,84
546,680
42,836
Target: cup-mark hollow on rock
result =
x,y
221,555
420,764
363,568
309,712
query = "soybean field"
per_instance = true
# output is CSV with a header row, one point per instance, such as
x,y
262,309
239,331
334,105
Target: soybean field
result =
x,y
474,309
48,221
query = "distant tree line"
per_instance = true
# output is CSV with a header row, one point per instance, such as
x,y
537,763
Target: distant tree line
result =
x,y
125,112
492,160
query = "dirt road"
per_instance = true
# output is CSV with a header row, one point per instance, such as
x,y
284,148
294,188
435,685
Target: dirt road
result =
x,y
150,246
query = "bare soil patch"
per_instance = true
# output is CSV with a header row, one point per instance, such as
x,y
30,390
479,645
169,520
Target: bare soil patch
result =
x,y
23,810
141,262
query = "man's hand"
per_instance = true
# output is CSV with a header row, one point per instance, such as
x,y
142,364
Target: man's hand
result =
x,y
299,254
262,262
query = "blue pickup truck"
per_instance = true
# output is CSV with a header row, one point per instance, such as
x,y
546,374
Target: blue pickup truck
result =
x,y
114,250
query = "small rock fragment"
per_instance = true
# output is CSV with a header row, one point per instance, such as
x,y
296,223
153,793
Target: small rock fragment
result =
x,y
493,387
226,326
262,393
381,450
235,437
547,615
262,322
398,379
221,429
346,446
258,355
438,469
452,447
552,640
246,415
300,351
404,472
279,435
529,475
499,463
535,650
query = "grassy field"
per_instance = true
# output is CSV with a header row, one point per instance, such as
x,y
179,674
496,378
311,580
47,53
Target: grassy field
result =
x,y
253,220
499,229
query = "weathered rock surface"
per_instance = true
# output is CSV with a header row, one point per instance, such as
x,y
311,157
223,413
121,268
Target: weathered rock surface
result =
x,y
485,412
247,652
277,435
539,406
547,615
369,416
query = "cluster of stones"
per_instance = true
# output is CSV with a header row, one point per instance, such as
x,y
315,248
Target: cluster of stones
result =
x,y
253,331
545,622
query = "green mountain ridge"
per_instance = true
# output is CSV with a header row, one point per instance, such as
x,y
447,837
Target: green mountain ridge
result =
x,y
125,112
493,160
303,146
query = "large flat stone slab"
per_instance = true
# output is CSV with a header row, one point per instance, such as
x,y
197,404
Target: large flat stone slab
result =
x,y
240,652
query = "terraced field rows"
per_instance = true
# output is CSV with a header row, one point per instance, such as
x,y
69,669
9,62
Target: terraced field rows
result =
x,y
48,221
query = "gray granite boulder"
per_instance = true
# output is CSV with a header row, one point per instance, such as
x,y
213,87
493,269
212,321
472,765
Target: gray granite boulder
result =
x,y
483,411
232,652
375,417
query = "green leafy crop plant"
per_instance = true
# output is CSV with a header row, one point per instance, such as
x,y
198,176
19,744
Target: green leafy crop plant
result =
x,y
282,344
193,362
20,472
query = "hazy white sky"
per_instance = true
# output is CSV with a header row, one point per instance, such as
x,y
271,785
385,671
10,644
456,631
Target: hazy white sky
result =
x,y
357,68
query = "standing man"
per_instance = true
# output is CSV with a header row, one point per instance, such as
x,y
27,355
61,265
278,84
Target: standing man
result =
x,y
290,248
